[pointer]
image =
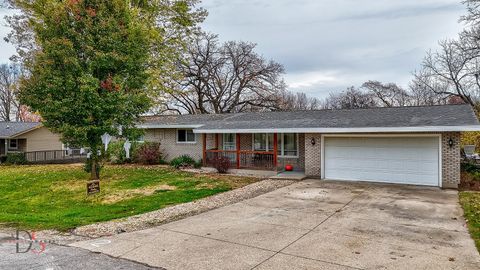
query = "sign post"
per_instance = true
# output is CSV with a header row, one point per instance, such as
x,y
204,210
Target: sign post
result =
x,y
93,187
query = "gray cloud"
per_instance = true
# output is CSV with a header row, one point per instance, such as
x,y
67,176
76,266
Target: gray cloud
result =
x,y
329,45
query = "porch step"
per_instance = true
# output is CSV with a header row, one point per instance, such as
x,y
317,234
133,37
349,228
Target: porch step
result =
x,y
289,176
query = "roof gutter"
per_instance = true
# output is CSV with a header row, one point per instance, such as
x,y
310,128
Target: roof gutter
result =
x,y
346,130
150,126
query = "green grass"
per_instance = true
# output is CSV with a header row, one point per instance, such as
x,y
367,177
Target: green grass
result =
x,y
54,196
470,201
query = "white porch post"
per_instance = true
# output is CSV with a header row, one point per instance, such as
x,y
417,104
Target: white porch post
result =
x,y
6,146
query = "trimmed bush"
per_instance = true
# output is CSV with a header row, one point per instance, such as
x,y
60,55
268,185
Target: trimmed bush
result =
x,y
222,164
16,159
148,153
182,161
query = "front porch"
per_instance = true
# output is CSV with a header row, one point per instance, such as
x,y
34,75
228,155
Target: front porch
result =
x,y
12,145
257,151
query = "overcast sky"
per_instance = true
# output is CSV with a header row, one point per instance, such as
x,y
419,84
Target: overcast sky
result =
x,y
329,45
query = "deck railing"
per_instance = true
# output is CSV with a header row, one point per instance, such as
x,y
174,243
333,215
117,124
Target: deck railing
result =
x,y
246,159
54,156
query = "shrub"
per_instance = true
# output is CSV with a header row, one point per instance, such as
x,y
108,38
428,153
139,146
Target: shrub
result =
x,y
3,159
16,159
182,161
222,164
148,153
116,153
198,164
469,167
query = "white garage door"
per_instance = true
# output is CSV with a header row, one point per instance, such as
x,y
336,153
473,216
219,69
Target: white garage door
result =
x,y
404,160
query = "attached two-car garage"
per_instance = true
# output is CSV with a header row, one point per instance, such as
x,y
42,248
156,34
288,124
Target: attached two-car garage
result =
x,y
403,160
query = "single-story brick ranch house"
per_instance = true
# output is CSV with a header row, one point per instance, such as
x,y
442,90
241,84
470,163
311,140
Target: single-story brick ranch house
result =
x,y
406,145
27,137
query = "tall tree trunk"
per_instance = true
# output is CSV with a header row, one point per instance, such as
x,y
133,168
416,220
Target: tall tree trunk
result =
x,y
93,173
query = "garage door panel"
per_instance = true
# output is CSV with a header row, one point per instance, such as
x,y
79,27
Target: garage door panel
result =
x,y
410,160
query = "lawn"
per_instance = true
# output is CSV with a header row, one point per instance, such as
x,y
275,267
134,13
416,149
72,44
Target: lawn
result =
x,y
470,201
54,196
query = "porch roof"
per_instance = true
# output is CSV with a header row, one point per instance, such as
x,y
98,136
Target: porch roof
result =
x,y
395,119
12,129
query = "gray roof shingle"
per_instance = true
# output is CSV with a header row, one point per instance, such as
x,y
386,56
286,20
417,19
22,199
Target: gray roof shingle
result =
x,y
421,116
10,129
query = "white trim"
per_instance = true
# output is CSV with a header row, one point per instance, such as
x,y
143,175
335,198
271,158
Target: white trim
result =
x,y
186,136
439,136
346,130
383,135
322,156
440,160
26,131
160,126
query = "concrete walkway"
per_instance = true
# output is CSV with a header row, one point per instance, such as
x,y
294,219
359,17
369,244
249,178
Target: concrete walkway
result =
x,y
312,224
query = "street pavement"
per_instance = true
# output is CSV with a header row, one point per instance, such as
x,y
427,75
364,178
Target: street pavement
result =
x,y
49,256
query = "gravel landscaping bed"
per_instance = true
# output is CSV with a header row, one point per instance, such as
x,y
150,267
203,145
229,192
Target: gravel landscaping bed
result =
x,y
168,214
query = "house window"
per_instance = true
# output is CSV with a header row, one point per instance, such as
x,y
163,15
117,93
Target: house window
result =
x,y
185,136
141,138
287,143
229,141
13,144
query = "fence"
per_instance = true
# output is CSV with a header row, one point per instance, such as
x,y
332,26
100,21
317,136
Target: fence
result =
x,y
55,156
247,159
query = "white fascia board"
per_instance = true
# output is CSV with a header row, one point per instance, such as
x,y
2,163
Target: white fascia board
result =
x,y
151,126
346,130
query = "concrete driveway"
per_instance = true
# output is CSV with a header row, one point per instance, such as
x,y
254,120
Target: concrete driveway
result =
x,y
312,224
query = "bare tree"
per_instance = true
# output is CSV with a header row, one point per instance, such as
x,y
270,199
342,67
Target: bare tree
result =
x,y
454,69
352,98
288,101
451,71
9,104
387,94
225,78
421,92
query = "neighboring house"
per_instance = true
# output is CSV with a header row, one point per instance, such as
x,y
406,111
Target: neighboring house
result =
x,y
27,137
408,145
